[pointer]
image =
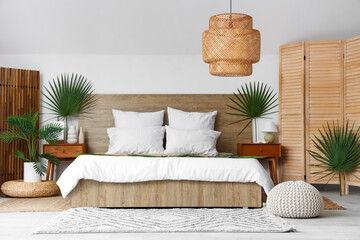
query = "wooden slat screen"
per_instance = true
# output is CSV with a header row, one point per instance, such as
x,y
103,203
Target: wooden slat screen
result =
x,y
291,112
19,93
352,90
324,95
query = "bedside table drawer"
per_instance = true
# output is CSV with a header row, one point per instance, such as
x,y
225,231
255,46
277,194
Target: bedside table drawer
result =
x,y
62,151
261,150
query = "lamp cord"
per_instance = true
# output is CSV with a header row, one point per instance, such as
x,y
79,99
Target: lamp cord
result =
x,y
230,6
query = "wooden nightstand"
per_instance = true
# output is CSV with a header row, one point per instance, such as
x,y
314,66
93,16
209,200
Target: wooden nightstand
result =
x,y
64,152
269,151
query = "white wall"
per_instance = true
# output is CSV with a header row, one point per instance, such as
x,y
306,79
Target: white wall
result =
x,y
141,74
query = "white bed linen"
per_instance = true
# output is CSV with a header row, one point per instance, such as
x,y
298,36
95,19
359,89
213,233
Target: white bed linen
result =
x,y
139,169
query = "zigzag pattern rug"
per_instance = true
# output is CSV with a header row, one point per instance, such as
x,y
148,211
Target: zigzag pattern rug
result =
x,y
100,220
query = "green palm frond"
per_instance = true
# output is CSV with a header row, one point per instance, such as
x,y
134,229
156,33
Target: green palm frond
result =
x,y
254,100
338,150
40,168
21,155
69,96
51,158
11,135
26,123
51,132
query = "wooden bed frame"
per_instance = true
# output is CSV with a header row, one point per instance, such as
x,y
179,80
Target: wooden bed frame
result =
x,y
164,193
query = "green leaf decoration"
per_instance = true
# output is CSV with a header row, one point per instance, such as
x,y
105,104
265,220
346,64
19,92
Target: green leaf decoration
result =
x,y
254,100
338,150
69,96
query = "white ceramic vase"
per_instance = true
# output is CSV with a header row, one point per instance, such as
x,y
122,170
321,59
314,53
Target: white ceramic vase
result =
x,y
29,173
72,136
81,136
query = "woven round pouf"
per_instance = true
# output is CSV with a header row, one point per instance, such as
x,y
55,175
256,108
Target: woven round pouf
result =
x,y
18,188
295,199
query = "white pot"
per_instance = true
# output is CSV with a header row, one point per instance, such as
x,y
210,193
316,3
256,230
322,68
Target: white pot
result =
x,y
29,173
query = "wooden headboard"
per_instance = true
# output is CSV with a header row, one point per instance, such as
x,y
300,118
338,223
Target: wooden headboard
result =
x,y
95,124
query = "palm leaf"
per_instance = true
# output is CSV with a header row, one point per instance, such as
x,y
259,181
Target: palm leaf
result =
x,y
69,96
51,158
337,150
254,100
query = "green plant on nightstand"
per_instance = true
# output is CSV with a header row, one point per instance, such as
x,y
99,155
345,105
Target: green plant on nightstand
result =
x,y
69,96
254,101
338,150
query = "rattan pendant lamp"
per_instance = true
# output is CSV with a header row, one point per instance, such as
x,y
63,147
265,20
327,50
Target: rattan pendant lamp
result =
x,y
231,45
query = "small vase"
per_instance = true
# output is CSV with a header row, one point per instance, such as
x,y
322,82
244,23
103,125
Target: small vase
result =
x,y
29,173
81,136
72,136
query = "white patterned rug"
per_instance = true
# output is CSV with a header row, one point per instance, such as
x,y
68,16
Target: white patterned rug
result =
x,y
100,220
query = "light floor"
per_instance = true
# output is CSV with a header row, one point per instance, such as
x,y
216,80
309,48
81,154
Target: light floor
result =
x,y
334,224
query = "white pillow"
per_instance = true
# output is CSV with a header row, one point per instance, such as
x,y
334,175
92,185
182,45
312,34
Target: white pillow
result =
x,y
191,141
138,119
136,140
191,120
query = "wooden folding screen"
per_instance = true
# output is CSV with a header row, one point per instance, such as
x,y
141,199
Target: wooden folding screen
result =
x,y
352,91
19,93
327,77
324,96
291,108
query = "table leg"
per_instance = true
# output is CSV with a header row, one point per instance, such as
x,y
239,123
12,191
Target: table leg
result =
x,y
275,170
48,171
271,170
52,172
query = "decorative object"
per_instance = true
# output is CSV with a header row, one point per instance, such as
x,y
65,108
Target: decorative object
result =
x,y
254,101
19,188
337,151
69,96
72,135
295,199
39,204
266,152
81,136
231,45
269,129
64,152
16,87
164,220
97,142
30,175
25,129
318,82
165,193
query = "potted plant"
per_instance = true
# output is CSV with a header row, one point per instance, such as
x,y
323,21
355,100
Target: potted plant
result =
x,y
254,101
69,96
338,151
24,129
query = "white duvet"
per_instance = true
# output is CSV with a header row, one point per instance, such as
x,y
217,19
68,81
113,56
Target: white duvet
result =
x,y
139,169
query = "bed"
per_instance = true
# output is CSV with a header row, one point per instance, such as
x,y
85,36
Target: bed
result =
x,y
166,189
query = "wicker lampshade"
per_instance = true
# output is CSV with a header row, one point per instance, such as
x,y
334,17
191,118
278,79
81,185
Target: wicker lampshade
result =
x,y
231,45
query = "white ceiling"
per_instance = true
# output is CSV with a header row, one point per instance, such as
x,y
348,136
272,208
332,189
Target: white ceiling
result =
x,y
162,26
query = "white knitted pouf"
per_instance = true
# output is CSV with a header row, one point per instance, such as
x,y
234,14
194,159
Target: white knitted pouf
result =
x,y
295,199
